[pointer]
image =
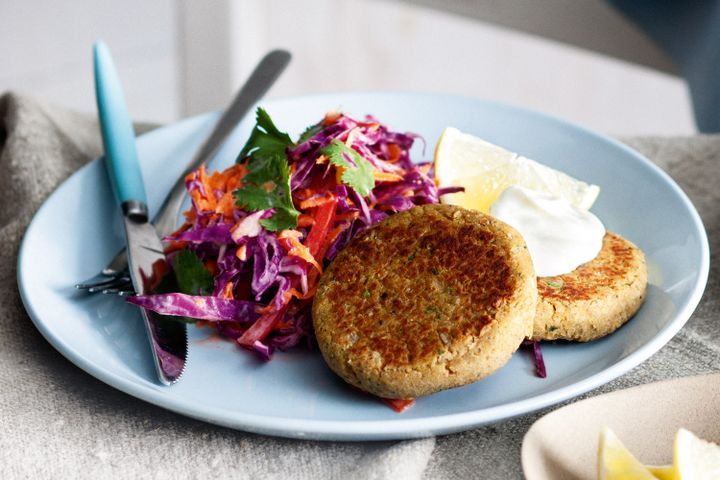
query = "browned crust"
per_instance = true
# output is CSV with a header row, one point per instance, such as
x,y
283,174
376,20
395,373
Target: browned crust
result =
x,y
431,298
594,299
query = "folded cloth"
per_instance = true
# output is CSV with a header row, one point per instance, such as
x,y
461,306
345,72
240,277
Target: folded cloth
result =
x,y
56,421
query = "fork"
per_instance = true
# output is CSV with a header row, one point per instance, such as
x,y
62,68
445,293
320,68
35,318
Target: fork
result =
x,y
115,278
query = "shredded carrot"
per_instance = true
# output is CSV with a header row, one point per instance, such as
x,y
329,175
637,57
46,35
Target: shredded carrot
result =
x,y
346,216
292,292
216,181
224,182
205,182
316,201
424,169
265,309
331,117
226,206
303,193
386,176
288,234
184,228
227,291
297,249
394,151
305,220
241,252
190,214
229,179
203,200
236,174
321,160
175,246
332,236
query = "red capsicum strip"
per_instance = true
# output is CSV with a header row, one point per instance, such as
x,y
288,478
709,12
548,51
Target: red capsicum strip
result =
x,y
324,217
262,327
398,405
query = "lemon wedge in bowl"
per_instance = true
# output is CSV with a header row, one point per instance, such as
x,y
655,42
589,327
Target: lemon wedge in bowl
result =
x,y
694,458
486,170
615,462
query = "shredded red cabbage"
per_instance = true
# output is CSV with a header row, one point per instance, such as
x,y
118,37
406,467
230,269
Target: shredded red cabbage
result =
x,y
200,307
537,356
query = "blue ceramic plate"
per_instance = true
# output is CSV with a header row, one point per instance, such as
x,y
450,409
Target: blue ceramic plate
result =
x,y
78,229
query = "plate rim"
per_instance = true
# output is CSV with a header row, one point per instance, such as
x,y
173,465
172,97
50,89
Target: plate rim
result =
x,y
400,428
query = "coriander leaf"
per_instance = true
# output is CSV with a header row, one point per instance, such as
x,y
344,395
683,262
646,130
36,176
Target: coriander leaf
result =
x,y
192,277
255,198
265,139
358,174
266,186
310,132
282,219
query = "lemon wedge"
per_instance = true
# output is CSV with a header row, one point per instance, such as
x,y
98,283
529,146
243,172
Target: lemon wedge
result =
x,y
664,472
615,462
486,170
694,458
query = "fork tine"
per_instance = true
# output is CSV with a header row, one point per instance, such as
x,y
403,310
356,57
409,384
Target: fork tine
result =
x,y
93,284
103,278
117,282
122,287
122,292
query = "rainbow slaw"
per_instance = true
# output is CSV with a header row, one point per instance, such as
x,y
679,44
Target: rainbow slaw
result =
x,y
258,234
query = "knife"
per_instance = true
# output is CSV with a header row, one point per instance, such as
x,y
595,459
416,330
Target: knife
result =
x,y
257,84
167,337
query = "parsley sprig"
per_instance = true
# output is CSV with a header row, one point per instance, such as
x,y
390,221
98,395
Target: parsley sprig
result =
x,y
357,171
267,185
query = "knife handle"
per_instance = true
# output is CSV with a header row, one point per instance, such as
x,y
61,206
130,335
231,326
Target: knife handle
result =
x,y
121,159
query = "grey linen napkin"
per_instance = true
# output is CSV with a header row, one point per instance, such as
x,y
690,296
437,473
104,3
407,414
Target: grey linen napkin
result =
x,y
56,421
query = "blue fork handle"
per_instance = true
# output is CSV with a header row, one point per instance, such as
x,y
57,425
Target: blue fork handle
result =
x,y
121,159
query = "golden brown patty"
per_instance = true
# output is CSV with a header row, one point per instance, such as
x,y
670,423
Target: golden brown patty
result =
x,y
431,298
594,299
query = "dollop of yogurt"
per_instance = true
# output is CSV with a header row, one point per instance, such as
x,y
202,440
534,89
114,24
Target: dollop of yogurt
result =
x,y
559,236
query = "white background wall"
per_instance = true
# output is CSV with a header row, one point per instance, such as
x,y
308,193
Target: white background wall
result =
x,y
179,58
45,50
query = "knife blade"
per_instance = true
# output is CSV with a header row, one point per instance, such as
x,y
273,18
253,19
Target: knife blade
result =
x,y
167,337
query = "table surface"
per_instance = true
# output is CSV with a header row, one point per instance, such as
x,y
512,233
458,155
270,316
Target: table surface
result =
x,y
56,421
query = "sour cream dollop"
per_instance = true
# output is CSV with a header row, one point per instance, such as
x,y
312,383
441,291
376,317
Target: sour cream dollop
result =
x,y
559,236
